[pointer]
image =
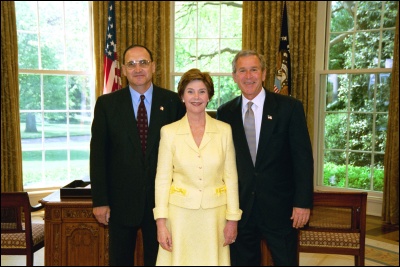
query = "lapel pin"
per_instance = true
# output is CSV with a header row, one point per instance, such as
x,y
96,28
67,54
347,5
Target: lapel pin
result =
x,y
269,117
161,108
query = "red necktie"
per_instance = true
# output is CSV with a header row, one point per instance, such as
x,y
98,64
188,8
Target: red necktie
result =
x,y
142,123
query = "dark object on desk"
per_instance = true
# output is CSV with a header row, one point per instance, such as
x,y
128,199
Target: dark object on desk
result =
x,y
76,189
19,236
337,225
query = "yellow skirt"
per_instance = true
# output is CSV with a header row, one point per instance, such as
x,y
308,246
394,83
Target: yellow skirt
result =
x,y
197,238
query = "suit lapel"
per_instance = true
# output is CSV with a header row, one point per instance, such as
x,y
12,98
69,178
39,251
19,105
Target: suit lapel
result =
x,y
159,109
128,117
184,131
268,123
208,131
239,135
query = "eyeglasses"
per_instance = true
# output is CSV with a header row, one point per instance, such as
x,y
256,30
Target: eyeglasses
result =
x,y
142,63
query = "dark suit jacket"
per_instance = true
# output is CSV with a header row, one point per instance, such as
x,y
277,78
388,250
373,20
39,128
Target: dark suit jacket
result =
x,y
282,177
120,176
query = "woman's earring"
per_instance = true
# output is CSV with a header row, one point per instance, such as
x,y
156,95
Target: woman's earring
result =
x,y
183,101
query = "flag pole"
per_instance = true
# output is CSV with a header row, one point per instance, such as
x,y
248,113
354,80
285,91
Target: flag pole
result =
x,y
112,72
282,73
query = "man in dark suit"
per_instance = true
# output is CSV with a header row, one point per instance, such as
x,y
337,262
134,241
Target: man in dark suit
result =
x,y
122,175
275,192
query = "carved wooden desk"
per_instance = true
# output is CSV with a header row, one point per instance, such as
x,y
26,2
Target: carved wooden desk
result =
x,y
73,237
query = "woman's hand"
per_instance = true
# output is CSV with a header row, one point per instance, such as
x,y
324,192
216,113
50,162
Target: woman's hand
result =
x,y
163,235
230,232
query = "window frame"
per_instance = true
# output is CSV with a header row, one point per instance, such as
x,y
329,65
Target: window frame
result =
x,y
321,70
68,147
175,75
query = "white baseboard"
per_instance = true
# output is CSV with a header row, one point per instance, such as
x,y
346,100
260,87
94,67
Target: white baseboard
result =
x,y
374,206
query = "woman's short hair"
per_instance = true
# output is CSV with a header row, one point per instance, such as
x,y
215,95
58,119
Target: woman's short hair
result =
x,y
196,75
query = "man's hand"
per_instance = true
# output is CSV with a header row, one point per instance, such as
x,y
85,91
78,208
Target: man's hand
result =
x,y
300,217
102,214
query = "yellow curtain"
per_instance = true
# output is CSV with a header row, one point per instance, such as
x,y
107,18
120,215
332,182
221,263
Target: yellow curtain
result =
x,y
11,152
261,32
137,22
390,207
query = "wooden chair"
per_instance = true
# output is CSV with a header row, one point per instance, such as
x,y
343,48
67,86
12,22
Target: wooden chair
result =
x,y
337,225
19,236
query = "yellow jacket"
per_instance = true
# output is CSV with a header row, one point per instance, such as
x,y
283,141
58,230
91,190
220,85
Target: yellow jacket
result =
x,y
192,177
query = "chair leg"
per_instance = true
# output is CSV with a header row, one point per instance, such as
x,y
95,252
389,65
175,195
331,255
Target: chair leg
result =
x,y
362,258
359,260
29,259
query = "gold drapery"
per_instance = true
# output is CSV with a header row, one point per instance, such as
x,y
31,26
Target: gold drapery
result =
x,y
137,22
261,32
390,205
11,152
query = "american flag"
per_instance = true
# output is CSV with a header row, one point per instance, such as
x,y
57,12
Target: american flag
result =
x,y
112,73
276,89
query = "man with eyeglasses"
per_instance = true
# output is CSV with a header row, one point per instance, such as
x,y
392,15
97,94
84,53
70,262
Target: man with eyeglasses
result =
x,y
122,163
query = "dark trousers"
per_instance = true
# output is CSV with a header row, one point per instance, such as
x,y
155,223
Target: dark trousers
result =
x,y
123,241
246,251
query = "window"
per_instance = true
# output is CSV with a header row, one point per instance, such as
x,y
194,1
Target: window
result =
x,y
207,36
56,82
354,88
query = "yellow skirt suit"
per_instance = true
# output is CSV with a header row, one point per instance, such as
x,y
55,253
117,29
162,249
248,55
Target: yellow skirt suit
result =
x,y
196,190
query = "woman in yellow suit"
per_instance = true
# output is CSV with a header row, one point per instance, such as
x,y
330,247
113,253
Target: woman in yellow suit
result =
x,y
196,187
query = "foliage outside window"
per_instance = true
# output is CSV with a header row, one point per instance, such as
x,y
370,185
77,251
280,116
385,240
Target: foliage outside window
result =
x,y
56,90
207,35
356,90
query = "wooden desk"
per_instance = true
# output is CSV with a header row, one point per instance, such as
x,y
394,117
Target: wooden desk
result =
x,y
73,237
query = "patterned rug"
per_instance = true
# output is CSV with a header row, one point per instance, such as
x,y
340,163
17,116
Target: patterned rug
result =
x,y
381,253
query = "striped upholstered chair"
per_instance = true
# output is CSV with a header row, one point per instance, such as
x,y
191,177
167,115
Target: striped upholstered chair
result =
x,y
337,225
19,236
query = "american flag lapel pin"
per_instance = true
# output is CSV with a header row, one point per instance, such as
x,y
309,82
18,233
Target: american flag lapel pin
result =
x,y
161,108
269,117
